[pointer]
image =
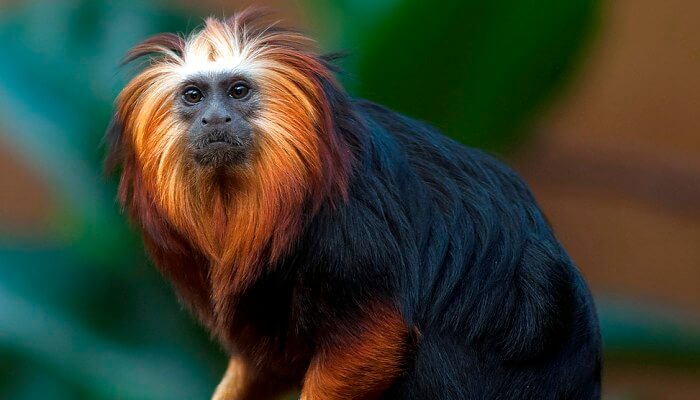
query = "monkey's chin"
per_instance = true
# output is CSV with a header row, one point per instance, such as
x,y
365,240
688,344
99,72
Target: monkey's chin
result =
x,y
220,155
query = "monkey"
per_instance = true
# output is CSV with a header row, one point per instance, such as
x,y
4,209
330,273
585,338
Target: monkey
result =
x,y
333,247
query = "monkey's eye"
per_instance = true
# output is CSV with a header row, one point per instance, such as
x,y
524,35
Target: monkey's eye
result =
x,y
192,95
239,90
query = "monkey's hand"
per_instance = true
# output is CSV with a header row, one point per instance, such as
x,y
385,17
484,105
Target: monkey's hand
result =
x,y
239,383
232,385
361,361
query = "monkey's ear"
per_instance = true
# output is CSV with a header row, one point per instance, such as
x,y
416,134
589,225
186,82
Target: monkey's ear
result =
x,y
112,140
167,45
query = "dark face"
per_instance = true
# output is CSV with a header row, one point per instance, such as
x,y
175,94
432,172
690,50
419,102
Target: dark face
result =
x,y
218,109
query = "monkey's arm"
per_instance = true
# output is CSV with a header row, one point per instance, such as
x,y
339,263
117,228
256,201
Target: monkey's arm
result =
x,y
360,360
240,383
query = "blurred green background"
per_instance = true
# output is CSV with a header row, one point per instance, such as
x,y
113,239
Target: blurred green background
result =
x,y
592,102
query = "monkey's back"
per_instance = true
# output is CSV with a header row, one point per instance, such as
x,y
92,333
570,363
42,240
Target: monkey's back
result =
x,y
453,238
456,238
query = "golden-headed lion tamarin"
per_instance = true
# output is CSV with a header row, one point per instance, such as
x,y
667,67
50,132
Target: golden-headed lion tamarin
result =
x,y
333,246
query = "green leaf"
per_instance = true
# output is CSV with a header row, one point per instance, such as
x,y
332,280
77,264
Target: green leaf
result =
x,y
475,69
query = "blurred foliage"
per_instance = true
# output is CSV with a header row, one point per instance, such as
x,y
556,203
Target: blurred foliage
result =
x,y
475,69
82,315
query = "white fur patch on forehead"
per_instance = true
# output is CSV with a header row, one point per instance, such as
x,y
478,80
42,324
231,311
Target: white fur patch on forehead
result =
x,y
231,67
218,48
224,66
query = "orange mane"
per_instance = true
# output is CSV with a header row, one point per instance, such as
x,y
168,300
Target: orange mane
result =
x,y
247,219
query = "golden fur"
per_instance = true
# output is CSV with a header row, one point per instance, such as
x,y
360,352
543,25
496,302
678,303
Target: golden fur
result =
x,y
255,215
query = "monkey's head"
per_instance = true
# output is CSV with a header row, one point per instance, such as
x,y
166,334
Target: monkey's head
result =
x,y
220,123
228,136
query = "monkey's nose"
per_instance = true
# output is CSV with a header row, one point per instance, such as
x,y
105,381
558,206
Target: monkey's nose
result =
x,y
216,120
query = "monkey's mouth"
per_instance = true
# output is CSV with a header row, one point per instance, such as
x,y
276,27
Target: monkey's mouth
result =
x,y
219,150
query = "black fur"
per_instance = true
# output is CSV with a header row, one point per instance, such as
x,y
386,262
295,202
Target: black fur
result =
x,y
455,239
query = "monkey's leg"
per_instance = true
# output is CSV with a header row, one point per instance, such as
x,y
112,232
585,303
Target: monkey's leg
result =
x,y
361,361
240,383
